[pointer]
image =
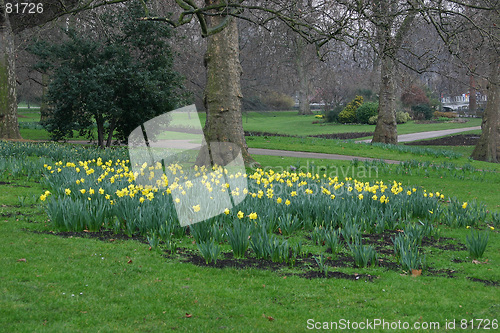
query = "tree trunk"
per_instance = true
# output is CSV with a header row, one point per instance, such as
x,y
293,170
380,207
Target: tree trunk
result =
x,y
44,107
488,146
9,127
386,129
304,107
472,95
223,91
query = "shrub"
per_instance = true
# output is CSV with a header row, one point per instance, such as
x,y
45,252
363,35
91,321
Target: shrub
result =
x,y
332,115
422,111
365,111
279,101
348,115
402,117
373,120
438,114
414,96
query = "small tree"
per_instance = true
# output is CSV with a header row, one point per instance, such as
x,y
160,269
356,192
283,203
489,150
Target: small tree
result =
x,y
116,83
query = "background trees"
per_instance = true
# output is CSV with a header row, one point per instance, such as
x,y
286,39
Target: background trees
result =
x,y
361,44
117,75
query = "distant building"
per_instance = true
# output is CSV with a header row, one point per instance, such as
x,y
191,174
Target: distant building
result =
x,y
460,104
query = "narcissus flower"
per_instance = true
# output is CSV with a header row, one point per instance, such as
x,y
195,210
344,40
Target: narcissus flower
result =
x,y
287,202
196,208
241,214
67,191
252,216
226,211
464,205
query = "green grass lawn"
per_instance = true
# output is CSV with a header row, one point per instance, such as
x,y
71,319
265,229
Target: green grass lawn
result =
x,y
284,122
51,283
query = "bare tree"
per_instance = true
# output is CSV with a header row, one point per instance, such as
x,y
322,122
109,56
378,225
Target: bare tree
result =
x,y
477,24
13,19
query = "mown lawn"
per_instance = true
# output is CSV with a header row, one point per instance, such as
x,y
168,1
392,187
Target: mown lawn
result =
x,y
53,283
77,283
283,122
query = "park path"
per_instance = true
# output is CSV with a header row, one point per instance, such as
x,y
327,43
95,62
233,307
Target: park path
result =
x,y
429,134
185,144
401,138
302,154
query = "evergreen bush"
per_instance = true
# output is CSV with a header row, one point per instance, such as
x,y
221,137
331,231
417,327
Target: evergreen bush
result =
x,y
348,115
365,111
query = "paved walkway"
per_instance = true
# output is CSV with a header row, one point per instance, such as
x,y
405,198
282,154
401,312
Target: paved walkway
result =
x,y
301,154
430,134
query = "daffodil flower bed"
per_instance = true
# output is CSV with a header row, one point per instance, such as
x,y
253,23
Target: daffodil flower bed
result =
x,y
95,194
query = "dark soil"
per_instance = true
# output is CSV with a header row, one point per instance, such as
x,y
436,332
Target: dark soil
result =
x,y
306,264
103,235
255,133
486,282
339,136
455,140
344,136
13,185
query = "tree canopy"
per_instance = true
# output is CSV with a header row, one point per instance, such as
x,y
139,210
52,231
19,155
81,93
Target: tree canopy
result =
x,y
116,79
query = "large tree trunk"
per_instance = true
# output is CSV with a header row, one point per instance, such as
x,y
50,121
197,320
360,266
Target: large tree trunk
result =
x,y
223,90
9,127
488,146
386,129
300,62
472,95
44,107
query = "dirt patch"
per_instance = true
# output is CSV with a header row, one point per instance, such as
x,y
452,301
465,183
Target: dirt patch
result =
x,y
449,273
336,275
306,264
256,133
486,282
338,136
344,136
103,235
454,140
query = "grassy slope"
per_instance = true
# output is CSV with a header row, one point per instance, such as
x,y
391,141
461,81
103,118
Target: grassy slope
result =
x,y
153,293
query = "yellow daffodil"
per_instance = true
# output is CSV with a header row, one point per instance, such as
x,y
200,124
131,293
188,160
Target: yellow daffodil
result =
x,y
196,208
226,211
240,214
252,216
